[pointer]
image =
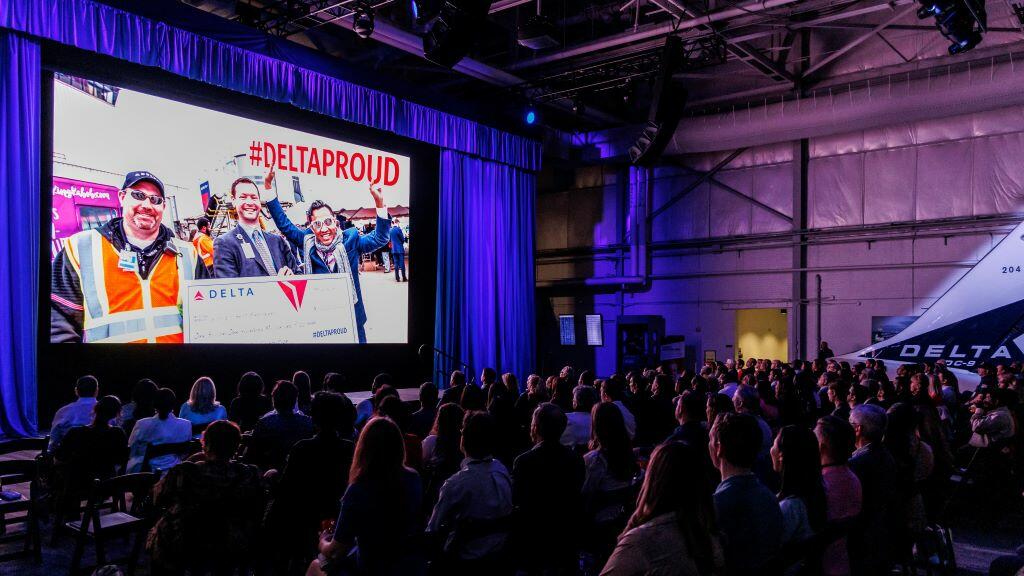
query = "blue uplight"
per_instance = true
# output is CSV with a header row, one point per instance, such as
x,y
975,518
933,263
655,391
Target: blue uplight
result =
x,y
531,117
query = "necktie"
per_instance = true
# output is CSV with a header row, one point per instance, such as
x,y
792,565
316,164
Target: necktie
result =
x,y
261,247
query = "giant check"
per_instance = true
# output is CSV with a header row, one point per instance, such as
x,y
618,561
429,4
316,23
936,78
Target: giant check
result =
x,y
309,309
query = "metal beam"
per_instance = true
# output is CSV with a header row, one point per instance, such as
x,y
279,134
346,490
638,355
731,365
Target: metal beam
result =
x,y
502,5
704,176
858,41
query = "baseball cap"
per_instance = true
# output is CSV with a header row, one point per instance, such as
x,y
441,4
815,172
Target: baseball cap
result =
x,y
133,178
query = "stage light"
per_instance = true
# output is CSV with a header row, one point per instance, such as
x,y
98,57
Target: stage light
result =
x,y
531,116
962,22
578,106
362,22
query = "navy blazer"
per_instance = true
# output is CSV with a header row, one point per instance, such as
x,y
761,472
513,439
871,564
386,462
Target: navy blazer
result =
x,y
354,242
230,262
397,240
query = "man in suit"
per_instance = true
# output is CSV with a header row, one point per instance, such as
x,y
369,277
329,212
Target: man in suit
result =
x,y
247,250
398,250
329,248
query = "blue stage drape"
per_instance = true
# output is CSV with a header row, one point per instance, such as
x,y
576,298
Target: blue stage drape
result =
x,y
20,75
99,28
485,276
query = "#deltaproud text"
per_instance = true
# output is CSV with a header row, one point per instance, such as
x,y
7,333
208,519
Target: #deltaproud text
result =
x,y
354,166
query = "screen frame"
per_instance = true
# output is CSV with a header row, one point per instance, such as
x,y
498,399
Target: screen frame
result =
x,y
119,366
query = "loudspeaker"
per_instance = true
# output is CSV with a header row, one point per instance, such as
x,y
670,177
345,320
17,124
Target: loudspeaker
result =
x,y
666,107
452,33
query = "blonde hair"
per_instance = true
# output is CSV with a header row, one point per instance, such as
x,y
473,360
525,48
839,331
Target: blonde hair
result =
x,y
203,397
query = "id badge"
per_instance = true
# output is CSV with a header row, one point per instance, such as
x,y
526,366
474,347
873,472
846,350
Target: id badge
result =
x,y
128,261
247,250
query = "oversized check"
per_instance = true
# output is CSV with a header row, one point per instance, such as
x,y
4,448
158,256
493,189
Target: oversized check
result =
x,y
308,309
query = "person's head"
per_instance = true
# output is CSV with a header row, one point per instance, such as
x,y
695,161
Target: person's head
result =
x,y
548,423
203,397
105,410
284,396
381,380
984,369
87,387
672,484
321,220
428,395
488,376
717,404
448,422
608,434
690,407
203,225
380,453
220,440
250,384
392,407
584,398
868,422
586,378
735,440
612,390
303,384
662,386
472,398
534,385
837,392
329,413
143,394
245,196
164,402
396,222
335,382
142,204
796,458
746,400
835,440
380,395
457,379
479,435
511,383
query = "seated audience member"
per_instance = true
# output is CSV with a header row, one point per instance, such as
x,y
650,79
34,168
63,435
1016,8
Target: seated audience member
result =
x,y
442,450
141,405
689,413
453,394
528,401
304,391
612,391
211,509
870,545
501,404
658,416
991,419
673,530
365,408
842,488
473,398
717,404
423,419
546,484
87,453
276,433
163,428
313,480
796,458
480,490
202,406
561,394
392,407
336,382
250,404
610,468
747,512
77,413
380,517
577,431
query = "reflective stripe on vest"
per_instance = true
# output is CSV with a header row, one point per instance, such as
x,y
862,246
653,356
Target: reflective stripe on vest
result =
x,y
121,306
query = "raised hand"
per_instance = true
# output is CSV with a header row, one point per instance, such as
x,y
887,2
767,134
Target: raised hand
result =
x,y
269,191
378,195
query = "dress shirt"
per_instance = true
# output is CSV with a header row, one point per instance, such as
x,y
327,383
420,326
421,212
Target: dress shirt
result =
x,y
77,413
481,489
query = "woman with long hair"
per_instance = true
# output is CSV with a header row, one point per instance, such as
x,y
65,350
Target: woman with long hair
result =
x,y
250,404
796,457
140,407
304,384
610,469
673,529
202,406
381,511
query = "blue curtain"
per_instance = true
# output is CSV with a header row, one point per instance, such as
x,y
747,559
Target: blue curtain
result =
x,y
485,277
20,75
96,27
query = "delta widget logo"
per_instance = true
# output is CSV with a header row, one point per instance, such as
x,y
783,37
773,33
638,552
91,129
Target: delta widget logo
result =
x,y
294,290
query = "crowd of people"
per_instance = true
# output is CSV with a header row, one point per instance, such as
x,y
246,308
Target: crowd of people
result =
x,y
758,467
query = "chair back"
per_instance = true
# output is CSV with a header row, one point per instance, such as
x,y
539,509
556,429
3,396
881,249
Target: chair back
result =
x,y
17,472
180,449
138,485
20,444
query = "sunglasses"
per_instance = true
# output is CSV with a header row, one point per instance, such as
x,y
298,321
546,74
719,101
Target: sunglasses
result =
x,y
142,196
321,224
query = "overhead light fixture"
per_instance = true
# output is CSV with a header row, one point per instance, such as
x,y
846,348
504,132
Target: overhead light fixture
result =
x,y
530,117
538,33
453,31
962,22
577,105
362,21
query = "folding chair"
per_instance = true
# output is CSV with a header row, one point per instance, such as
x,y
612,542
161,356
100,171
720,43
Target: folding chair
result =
x,y
22,471
122,520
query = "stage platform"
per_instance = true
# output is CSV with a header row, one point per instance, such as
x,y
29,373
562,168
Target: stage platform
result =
x,y
406,394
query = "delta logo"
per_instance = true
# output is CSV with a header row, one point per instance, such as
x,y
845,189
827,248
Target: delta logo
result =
x,y
224,293
294,291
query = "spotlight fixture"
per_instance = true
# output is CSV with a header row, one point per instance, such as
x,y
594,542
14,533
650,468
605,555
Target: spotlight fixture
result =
x,y
962,22
530,117
362,21
577,106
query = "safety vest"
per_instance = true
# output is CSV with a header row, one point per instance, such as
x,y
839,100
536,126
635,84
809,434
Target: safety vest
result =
x,y
204,248
121,306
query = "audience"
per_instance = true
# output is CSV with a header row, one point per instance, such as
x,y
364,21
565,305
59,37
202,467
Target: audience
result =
x,y
163,428
610,468
453,393
747,512
442,450
673,530
612,391
141,405
250,404
422,420
276,433
393,408
77,413
577,430
365,408
843,497
870,542
202,406
87,453
304,391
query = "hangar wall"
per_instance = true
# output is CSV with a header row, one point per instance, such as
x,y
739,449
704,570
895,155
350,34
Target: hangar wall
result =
x,y
894,217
